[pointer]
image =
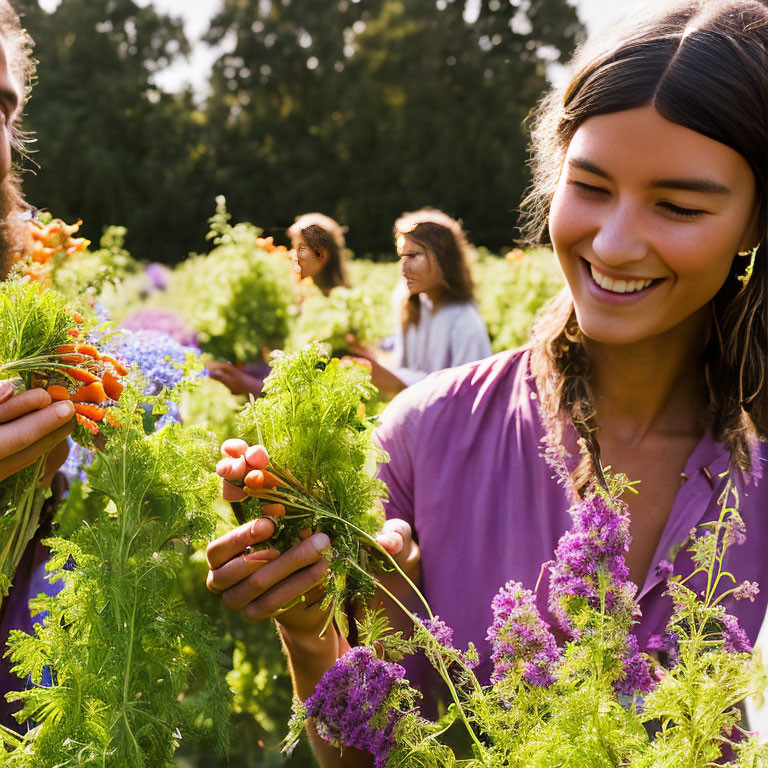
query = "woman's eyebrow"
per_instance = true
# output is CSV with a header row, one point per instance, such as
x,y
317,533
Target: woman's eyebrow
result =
x,y
686,185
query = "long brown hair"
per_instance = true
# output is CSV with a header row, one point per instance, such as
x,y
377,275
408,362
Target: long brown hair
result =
x,y
444,240
322,233
702,64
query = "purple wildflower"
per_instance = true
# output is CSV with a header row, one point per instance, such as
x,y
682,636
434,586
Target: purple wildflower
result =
x,y
171,416
163,321
735,639
666,643
356,703
520,638
596,544
747,590
157,276
664,569
735,530
637,676
160,358
444,636
77,460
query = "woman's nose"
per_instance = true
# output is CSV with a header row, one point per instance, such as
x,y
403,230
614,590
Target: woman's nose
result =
x,y
619,238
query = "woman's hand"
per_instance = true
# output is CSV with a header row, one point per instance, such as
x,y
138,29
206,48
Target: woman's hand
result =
x,y
31,426
382,378
237,381
263,582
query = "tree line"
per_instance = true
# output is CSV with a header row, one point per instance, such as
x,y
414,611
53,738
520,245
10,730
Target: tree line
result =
x,y
359,108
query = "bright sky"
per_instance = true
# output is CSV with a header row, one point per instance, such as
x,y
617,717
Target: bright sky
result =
x,y
197,13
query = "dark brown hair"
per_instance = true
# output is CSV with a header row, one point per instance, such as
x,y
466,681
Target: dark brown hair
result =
x,y
321,233
702,64
444,240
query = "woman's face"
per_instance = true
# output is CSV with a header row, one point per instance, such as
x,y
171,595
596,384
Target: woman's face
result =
x,y
420,269
646,221
305,261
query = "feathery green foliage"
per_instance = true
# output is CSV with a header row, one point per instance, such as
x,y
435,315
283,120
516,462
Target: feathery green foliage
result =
x,y
312,422
122,645
33,322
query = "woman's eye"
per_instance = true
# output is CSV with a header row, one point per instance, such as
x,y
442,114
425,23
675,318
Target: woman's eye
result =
x,y
688,213
588,187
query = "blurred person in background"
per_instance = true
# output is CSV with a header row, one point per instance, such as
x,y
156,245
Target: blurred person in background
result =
x,y
440,325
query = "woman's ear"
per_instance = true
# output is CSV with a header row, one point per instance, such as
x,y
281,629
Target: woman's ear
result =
x,y
323,256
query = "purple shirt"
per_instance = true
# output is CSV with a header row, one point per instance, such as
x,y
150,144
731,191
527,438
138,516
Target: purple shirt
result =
x,y
466,472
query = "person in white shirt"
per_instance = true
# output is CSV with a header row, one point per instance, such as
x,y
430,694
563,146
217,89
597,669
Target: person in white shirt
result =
x,y
440,324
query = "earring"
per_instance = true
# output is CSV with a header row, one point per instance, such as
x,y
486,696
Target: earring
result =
x,y
752,252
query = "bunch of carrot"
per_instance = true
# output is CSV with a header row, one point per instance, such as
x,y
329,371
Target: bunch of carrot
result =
x,y
90,379
49,242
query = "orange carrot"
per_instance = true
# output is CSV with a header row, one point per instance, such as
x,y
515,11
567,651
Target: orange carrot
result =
x,y
65,349
112,386
92,412
86,377
120,369
77,317
72,359
75,333
90,393
57,392
87,423
88,349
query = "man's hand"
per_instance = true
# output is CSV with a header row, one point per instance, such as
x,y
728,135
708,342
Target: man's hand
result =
x,y
31,426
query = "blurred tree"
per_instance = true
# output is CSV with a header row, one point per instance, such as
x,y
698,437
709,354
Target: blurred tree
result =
x,y
111,147
365,109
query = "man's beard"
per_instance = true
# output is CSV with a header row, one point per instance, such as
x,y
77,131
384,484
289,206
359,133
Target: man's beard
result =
x,y
13,231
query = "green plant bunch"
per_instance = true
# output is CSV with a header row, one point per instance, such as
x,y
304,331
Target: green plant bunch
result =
x,y
89,273
594,702
33,323
122,645
512,291
332,319
239,297
312,422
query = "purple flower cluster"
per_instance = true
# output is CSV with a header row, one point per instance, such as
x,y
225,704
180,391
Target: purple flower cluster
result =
x,y
595,545
171,416
157,276
521,639
747,590
160,357
735,639
164,322
444,636
637,676
355,704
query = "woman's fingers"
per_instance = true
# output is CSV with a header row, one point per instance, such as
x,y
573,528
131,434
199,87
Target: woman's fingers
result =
x,y
239,568
235,541
233,448
29,455
231,492
23,403
303,555
305,582
395,534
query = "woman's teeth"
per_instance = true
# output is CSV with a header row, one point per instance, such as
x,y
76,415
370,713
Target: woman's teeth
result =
x,y
617,286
